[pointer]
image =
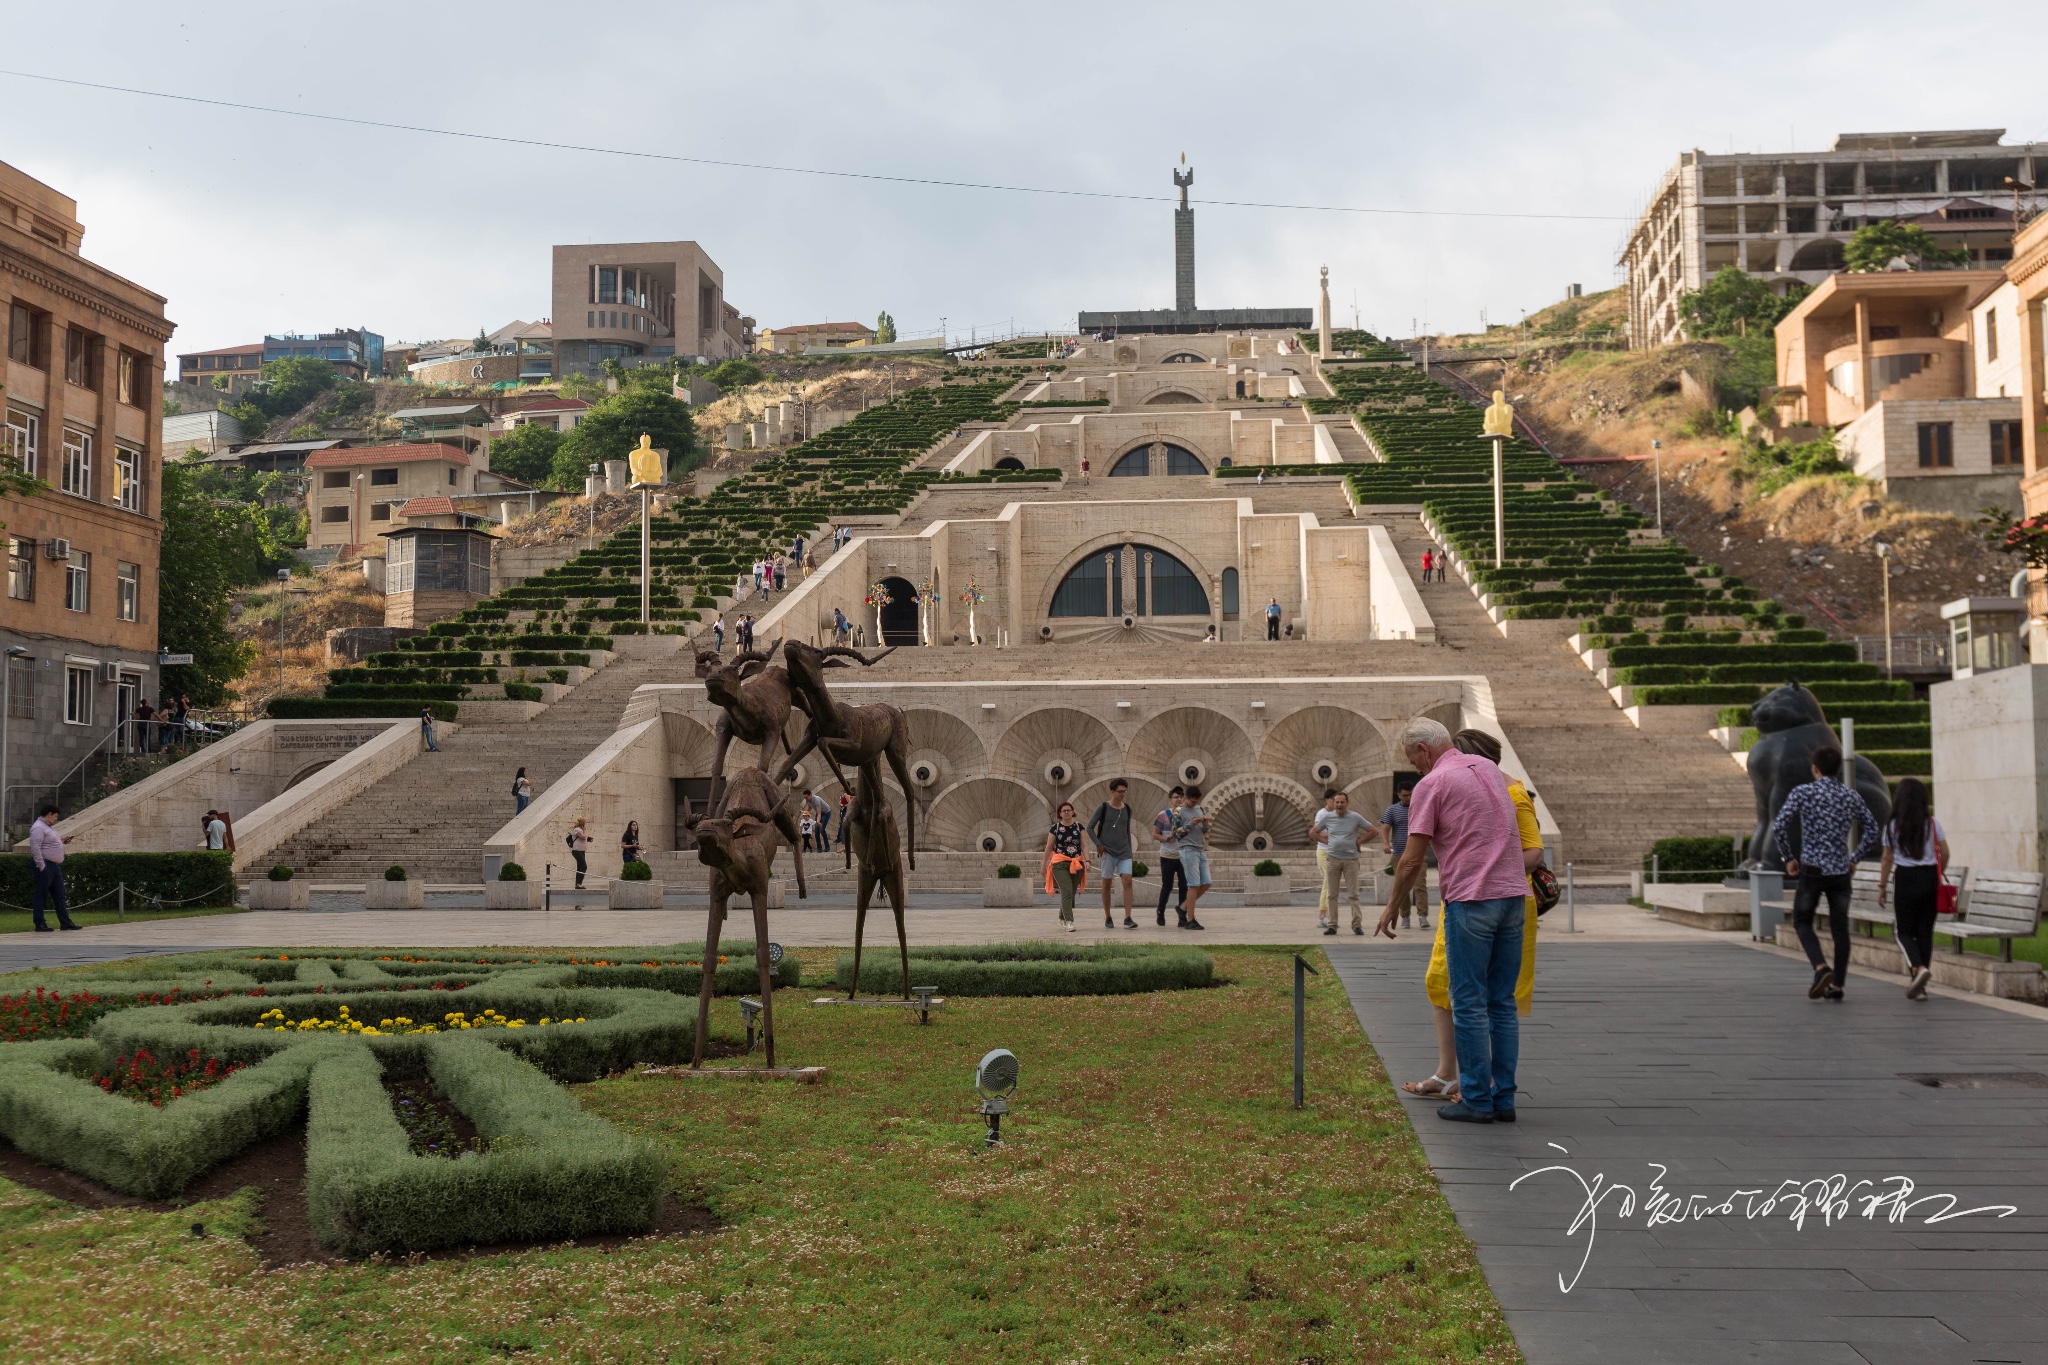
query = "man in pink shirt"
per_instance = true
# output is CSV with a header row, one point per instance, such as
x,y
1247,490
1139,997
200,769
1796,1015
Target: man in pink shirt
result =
x,y
1461,807
46,854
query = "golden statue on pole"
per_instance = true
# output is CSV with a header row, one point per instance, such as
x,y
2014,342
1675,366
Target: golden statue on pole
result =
x,y
1500,416
646,462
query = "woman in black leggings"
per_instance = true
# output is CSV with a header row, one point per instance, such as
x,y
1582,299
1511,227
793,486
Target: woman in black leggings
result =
x,y
1917,850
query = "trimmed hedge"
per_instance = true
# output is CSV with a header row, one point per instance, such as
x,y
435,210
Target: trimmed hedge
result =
x,y
553,1171
196,878
1692,858
1035,969
336,708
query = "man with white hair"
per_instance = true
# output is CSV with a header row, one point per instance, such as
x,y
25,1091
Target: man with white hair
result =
x,y
1461,808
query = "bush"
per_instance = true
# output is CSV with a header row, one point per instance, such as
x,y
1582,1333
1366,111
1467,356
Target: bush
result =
x,y
1036,969
394,873
1009,872
636,871
518,691
1692,858
511,872
1140,870
333,708
196,878
1265,867
280,873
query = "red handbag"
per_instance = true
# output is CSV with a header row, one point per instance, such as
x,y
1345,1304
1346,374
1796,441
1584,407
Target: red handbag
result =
x,y
1946,893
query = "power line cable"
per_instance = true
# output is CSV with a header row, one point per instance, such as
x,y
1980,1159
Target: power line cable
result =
x,y
794,170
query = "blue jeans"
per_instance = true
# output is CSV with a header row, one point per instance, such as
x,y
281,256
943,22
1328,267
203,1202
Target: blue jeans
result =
x,y
49,886
1483,950
522,799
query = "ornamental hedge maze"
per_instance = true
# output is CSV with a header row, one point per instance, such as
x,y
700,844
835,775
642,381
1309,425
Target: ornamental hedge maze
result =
x,y
1676,630
537,631
143,1079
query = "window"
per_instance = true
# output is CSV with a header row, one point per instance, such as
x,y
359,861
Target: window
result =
x,y
590,318
337,513
383,478
1230,594
1937,445
1179,461
1135,465
21,569
81,358
78,582
451,477
21,688
133,380
127,591
28,336
77,461
128,479
2007,450
20,439
334,478
607,284
1990,334
1095,586
380,511
77,695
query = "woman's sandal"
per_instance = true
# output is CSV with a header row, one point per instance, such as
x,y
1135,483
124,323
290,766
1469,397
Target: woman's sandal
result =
x,y
1422,1088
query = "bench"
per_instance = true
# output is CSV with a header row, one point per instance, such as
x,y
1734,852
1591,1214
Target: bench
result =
x,y
2003,905
1863,889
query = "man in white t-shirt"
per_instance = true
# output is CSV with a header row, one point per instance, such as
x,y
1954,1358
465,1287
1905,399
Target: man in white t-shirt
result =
x,y
1323,857
1338,834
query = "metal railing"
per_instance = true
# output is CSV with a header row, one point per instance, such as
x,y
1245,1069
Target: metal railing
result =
x,y
129,741
1908,651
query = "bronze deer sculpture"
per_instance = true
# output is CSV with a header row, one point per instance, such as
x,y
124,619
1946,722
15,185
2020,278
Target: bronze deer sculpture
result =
x,y
754,698
872,837
858,736
739,848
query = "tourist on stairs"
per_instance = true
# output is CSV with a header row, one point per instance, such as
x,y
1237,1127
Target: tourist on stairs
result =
x,y
1822,861
1914,844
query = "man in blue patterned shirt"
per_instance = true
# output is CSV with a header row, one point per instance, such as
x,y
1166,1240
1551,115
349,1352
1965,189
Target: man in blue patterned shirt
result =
x,y
1820,858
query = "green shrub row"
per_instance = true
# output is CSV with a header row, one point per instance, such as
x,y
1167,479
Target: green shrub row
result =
x,y
1034,969
194,878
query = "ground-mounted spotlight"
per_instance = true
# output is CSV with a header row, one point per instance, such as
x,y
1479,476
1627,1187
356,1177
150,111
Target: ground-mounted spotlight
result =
x,y
750,1011
995,1079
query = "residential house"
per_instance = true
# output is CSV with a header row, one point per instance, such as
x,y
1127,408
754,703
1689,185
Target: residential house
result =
x,y
352,493
233,368
811,336
353,352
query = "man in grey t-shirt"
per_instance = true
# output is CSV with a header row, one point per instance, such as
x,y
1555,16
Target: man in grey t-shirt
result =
x,y
1338,834
1191,831
1110,828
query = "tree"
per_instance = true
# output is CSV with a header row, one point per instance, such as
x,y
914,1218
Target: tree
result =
x,y
527,453
737,373
289,385
210,549
1736,304
611,429
1876,245
482,344
885,329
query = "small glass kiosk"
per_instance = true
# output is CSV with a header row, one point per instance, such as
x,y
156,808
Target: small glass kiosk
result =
x,y
1984,633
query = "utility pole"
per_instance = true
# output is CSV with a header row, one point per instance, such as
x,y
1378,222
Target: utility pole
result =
x,y
284,591
6,711
1657,463
1884,567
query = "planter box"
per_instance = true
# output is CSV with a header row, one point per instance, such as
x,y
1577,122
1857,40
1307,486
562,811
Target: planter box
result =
x,y
1006,893
635,895
1267,891
512,895
383,895
270,895
1700,905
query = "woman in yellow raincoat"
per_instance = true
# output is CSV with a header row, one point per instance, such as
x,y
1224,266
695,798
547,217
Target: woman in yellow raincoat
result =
x,y
1437,980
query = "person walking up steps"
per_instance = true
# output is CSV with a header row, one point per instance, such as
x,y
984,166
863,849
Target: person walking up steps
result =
x,y
718,634
1820,857
1066,870
1191,832
1169,859
1917,847
1428,563
427,729
1338,835
46,857
579,848
1110,828
522,791
1461,805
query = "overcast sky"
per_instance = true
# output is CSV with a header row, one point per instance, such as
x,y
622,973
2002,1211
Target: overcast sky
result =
x,y
252,222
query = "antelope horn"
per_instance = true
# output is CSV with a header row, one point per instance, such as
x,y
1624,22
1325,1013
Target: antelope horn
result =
x,y
865,661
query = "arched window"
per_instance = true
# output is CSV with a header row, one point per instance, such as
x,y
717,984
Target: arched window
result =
x,y
1230,594
1095,586
1009,462
1136,464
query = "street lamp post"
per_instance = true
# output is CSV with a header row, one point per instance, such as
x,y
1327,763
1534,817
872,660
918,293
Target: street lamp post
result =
x,y
6,711
284,580
1657,467
1884,568
595,471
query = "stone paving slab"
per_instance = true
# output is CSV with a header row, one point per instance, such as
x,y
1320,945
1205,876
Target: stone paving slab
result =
x,y
1714,1064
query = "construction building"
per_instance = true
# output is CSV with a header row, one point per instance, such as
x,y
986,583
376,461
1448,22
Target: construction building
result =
x,y
1786,216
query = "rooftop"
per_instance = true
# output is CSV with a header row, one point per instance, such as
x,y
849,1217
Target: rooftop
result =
x,y
222,350
1886,142
444,410
432,450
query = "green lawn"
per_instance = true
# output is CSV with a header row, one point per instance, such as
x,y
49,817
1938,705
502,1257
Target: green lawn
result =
x,y
22,921
1158,1199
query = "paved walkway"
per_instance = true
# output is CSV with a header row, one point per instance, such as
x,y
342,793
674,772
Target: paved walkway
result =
x,y
1708,1059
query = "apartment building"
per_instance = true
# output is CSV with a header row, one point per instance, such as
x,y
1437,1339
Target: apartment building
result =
x,y
353,494
84,414
641,303
353,352
233,368
1786,216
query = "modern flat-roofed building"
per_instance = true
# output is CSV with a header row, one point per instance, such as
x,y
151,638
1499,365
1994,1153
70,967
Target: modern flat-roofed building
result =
x,y
640,303
798,339
353,352
1786,216
239,366
83,409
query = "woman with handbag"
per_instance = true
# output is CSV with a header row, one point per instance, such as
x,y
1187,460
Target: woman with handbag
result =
x,y
1916,846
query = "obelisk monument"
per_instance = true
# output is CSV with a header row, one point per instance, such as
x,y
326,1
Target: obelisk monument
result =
x,y
1183,243
1323,319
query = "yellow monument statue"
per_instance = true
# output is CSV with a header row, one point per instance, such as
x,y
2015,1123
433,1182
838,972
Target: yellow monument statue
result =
x,y
1500,417
647,462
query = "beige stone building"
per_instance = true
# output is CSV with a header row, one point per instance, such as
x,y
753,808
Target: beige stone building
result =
x,y
641,303
83,410
803,337
353,495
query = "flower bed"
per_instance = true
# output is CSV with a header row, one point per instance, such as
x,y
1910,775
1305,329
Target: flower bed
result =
x,y
141,1075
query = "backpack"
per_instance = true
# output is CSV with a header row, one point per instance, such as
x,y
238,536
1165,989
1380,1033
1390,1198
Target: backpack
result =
x,y
569,841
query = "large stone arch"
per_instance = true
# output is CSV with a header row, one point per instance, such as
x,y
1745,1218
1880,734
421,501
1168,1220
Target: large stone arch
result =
x,y
1057,737
944,750
1304,742
967,812
1166,396
1185,358
1068,562
1192,447
1270,805
1174,742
